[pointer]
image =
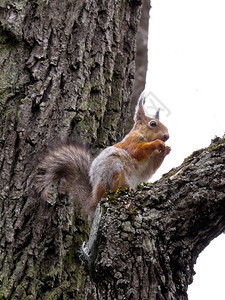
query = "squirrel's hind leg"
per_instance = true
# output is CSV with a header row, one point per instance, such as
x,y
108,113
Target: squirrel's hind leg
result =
x,y
99,191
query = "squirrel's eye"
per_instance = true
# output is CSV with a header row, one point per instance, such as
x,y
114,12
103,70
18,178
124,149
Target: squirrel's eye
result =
x,y
153,123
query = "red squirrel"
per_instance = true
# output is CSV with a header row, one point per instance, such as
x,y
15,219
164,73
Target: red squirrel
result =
x,y
126,164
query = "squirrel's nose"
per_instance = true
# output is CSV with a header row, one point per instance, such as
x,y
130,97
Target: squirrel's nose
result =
x,y
166,137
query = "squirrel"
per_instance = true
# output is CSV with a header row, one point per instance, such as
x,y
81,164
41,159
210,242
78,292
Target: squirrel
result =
x,y
126,164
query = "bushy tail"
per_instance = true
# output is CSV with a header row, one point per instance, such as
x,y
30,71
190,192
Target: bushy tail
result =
x,y
70,163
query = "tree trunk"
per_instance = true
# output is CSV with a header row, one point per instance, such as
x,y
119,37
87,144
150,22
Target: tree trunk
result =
x,y
67,69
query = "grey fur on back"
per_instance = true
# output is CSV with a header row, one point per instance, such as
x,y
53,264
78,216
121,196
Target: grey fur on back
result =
x,y
70,163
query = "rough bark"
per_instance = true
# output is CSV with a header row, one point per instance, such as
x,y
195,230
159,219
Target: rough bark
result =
x,y
149,239
66,69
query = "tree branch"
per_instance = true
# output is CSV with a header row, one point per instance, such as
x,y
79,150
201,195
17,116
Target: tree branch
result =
x,y
150,238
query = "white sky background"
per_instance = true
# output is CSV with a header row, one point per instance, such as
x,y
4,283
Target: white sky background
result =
x,y
187,73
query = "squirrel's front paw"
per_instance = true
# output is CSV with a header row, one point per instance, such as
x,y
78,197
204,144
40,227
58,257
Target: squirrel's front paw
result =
x,y
167,150
162,148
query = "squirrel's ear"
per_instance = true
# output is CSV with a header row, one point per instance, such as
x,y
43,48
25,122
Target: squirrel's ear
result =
x,y
139,111
157,114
